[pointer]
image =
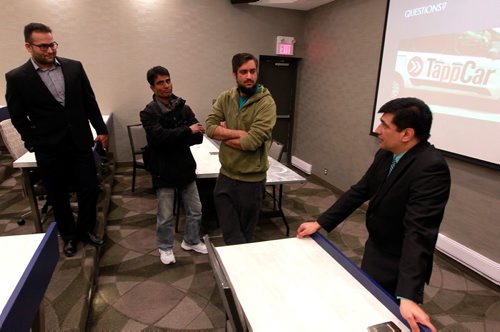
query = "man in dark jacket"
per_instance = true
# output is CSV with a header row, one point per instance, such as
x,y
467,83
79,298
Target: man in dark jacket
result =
x,y
51,103
408,185
171,128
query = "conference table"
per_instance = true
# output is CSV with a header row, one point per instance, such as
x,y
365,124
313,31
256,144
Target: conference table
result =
x,y
299,285
208,166
26,163
25,277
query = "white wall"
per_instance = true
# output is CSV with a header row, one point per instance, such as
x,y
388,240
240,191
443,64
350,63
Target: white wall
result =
x,y
119,40
338,78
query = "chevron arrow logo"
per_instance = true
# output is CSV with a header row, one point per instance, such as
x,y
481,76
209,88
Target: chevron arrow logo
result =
x,y
415,66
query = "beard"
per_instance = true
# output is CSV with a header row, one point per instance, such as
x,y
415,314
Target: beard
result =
x,y
40,59
247,91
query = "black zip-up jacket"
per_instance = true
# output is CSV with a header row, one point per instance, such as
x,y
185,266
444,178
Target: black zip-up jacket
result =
x,y
169,137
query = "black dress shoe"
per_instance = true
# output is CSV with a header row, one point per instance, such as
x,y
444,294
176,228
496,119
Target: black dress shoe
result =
x,y
70,248
92,239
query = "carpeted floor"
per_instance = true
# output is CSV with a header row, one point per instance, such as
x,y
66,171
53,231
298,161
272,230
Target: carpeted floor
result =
x,y
136,292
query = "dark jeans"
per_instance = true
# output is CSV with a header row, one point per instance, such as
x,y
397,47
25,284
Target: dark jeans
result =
x,y
65,171
238,206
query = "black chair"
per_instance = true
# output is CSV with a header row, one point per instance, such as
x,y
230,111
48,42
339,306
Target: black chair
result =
x,y
137,138
12,139
16,149
275,152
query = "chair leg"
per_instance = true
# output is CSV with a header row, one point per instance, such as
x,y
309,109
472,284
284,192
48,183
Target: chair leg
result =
x,y
44,213
274,197
133,179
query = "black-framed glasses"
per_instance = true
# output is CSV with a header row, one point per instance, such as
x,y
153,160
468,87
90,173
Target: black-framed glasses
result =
x,y
45,47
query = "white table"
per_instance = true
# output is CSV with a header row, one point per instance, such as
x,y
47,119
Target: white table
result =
x,y
208,165
26,163
206,155
302,285
28,159
27,262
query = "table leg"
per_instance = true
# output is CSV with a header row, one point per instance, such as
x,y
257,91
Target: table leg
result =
x,y
28,189
280,199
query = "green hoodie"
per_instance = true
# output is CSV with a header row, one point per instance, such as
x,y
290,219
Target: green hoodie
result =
x,y
257,117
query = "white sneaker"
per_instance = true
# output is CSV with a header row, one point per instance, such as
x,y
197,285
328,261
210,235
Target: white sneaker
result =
x,y
167,256
199,247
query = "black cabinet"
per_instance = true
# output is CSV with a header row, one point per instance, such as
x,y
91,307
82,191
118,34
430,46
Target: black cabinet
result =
x,y
279,75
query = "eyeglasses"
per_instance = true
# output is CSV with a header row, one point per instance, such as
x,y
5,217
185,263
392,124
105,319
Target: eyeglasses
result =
x,y
45,47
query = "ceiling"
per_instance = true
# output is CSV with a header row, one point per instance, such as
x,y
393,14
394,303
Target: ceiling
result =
x,y
292,4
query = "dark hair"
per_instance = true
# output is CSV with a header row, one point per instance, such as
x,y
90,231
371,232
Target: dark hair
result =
x,y
410,113
241,58
156,71
34,27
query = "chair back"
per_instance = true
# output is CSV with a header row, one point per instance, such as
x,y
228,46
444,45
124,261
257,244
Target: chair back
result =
x,y
137,138
12,139
276,150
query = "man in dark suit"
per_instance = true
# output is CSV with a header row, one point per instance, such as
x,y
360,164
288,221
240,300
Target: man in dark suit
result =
x,y
51,102
408,185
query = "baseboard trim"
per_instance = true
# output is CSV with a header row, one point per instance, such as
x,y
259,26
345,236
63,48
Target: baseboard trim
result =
x,y
302,165
124,164
469,258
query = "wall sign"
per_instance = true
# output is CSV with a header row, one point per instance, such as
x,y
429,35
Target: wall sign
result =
x,y
284,45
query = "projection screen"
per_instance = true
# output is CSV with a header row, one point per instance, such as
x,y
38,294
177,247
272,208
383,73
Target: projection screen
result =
x,y
447,53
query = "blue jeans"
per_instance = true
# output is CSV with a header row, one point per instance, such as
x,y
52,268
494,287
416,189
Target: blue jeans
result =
x,y
165,215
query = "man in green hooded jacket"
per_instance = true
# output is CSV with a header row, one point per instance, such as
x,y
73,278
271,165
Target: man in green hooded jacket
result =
x,y
242,118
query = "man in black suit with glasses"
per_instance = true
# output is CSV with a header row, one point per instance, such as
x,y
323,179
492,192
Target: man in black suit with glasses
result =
x,y
51,102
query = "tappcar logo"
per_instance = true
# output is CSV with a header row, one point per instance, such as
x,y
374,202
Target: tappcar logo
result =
x,y
450,71
415,66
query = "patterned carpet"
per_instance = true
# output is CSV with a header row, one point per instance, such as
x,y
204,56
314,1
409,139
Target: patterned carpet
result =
x,y
135,292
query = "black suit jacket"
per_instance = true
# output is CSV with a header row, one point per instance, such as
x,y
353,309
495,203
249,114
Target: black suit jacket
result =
x,y
44,124
404,213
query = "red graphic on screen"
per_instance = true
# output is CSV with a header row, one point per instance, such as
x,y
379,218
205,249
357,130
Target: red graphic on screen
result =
x,y
415,66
